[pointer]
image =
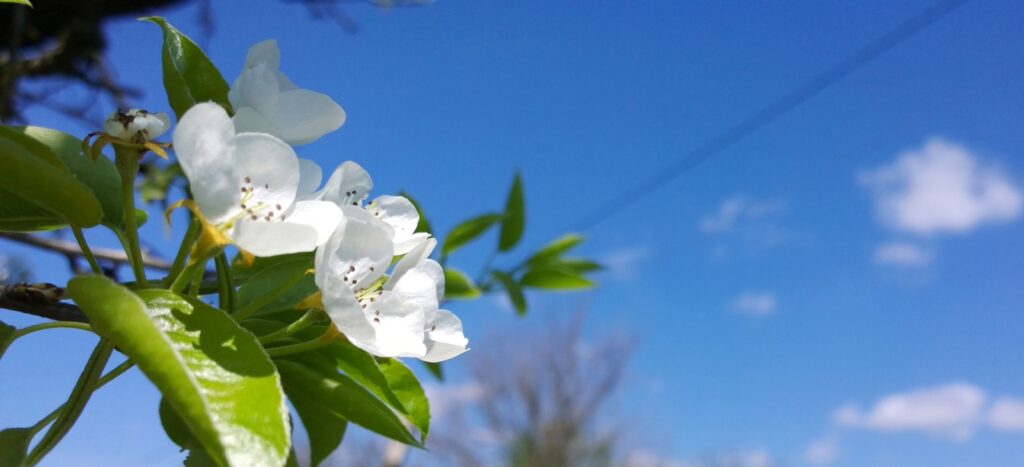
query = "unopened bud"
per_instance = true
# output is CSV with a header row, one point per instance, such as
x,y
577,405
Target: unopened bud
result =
x,y
136,125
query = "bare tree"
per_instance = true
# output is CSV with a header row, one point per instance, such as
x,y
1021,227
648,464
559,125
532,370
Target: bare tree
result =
x,y
536,399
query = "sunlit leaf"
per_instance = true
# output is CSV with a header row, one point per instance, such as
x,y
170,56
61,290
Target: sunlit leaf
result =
x,y
468,231
513,290
555,249
213,373
40,189
99,175
404,384
189,76
552,278
6,336
458,286
277,288
343,397
19,2
515,217
577,265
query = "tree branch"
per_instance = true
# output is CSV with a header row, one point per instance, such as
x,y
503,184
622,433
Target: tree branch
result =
x,y
41,300
70,249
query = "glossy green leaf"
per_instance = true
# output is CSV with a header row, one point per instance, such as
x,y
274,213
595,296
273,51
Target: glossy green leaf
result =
x,y
99,175
515,217
6,336
404,384
241,269
213,373
424,224
279,287
513,290
458,286
555,249
175,428
324,428
552,278
343,397
41,189
19,2
189,75
468,231
14,446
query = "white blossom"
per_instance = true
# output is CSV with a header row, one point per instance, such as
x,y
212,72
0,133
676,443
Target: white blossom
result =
x,y
247,185
388,316
266,101
136,125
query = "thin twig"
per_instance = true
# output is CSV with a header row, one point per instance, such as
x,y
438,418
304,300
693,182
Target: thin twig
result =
x,y
70,249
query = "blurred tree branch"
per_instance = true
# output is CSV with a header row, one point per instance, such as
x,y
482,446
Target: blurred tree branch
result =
x,y
72,252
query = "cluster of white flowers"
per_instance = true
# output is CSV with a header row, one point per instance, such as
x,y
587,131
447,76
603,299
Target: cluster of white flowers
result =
x,y
136,125
248,182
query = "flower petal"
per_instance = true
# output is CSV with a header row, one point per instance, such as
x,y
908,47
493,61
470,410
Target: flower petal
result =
x,y
348,186
262,238
256,87
445,339
357,253
422,285
401,215
264,52
399,327
203,143
249,120
269,169
320,215
310,176
345,312
303,116
411,260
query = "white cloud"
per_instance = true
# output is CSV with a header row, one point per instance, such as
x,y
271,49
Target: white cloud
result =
x,y
902,254
1007,414
950,411
735,210
755,303
625,263
740,458
942,187
823,451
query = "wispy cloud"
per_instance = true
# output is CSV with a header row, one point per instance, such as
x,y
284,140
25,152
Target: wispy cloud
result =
x,y
902,254
625,263
755,303
941,187
731,458
737,210
823,451
1006,414
951,411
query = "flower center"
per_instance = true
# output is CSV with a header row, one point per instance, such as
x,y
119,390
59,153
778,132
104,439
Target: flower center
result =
x,y
255,204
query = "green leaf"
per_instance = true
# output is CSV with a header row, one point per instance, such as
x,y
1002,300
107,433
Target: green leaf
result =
x,y
513,290
6,336
467,231
14,446
40,189
578,265
515,217
99,175
435,369
552,278
189,76
424,224
19,2
173,425
458,286
279,287
404,384
343,397
213,373
241,269
325,428
555,249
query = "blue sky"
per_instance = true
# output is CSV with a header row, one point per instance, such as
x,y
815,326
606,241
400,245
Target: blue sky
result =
x,y
865,246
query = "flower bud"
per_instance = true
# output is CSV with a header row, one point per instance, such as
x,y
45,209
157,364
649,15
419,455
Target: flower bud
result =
x,y
136,125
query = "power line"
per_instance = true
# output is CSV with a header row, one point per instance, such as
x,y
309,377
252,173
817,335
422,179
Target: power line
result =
x,y
769,113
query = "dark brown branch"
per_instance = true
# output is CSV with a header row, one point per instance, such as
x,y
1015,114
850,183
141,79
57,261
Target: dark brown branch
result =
x,y
56,311
71,249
